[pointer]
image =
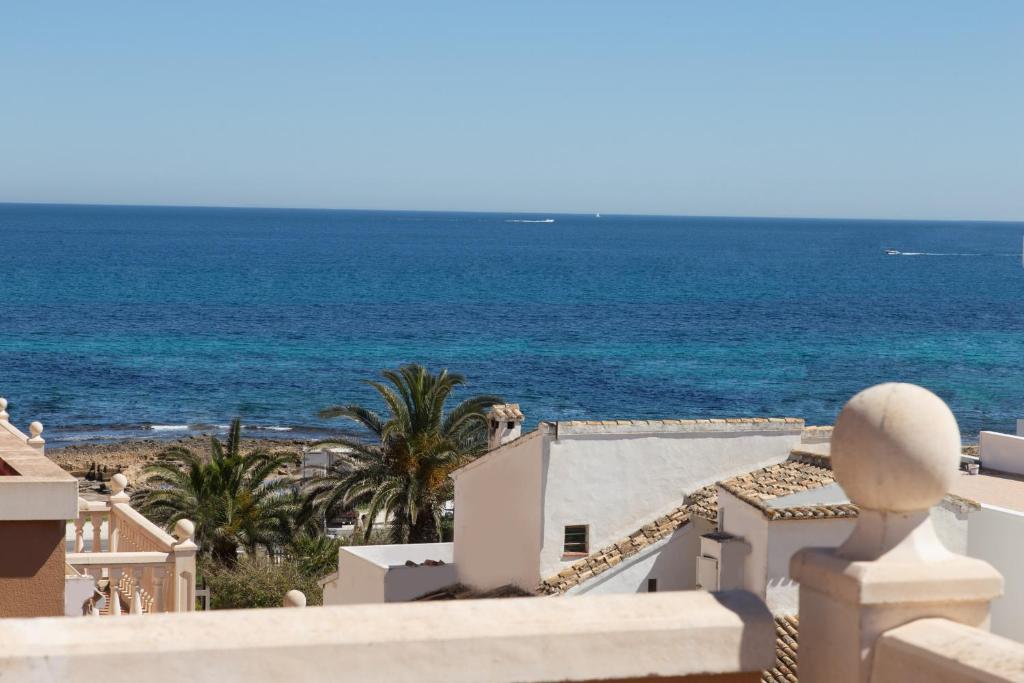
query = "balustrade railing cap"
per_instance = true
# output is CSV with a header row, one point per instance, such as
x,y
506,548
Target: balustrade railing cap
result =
x,y
118,482
184,530
896,448
294,598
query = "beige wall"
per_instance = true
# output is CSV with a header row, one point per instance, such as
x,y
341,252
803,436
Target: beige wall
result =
x,y
498,504
32,568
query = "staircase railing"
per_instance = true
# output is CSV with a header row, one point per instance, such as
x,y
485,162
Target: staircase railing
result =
x,y
141,564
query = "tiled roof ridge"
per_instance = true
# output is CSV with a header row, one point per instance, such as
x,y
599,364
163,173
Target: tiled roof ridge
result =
x,y
705,420
786,651
810,458
611,555
801,471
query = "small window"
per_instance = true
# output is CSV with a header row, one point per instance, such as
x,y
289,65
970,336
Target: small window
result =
x,y
576,541
511,425
652,585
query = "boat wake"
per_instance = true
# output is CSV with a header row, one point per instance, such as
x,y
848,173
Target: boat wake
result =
x,y
527,220
894,252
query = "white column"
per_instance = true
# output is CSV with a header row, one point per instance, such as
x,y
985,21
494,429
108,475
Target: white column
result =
x,y
895,451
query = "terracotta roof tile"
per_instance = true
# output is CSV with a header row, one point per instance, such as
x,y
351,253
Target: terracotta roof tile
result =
x,y
785,669
800,472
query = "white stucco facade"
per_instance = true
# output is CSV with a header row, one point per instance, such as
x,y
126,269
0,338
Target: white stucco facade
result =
x,y
514,504
378,573
669,562
1002,452
773,543
615,483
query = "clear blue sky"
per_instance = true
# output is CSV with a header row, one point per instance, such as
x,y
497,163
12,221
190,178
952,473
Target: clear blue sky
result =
x,y
908,109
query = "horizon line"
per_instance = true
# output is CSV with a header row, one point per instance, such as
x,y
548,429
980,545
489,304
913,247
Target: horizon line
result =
x,y
507,212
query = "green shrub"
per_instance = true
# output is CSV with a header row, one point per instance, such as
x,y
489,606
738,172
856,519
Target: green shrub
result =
x,y
257,582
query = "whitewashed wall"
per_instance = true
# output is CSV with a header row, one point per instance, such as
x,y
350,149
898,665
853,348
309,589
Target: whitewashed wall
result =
x,y
377,573
672,561
785,537
747,522
498,516
1002,452
996,535
615,483
358,580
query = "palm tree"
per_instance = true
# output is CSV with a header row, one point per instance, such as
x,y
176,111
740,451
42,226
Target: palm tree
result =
x,y
403,471
231,499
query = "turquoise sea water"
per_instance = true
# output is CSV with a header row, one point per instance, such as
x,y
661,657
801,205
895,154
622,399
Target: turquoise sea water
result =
x,y
129,321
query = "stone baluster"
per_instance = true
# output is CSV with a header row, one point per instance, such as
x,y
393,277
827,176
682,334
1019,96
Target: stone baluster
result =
x,y
136,607
96,521
83,506
157,591
895,452
118,482
114,576
184,585
36,440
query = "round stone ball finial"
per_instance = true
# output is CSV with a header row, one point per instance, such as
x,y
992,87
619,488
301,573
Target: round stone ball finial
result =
x,y
896,448
35,429
118,482
3,408
184,530
294,598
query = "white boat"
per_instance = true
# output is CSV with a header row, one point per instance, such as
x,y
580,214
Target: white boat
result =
x,y
892,252
597,215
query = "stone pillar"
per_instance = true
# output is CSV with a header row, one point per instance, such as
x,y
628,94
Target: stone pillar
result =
x,y
895,451
183,591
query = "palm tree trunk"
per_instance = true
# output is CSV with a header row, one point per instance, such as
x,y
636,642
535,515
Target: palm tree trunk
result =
x,y
424,530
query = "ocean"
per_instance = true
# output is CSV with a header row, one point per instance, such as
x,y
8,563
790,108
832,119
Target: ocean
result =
x,y
156,322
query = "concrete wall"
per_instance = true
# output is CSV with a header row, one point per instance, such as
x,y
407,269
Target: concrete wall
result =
x,y
615,483
994,535
498,516
950,522
672,561
378,573
358,581
664,636
77,590
1002,452
740,519
32,568
407,583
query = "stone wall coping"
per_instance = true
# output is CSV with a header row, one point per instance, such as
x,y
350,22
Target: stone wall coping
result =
x,y
955,579
40,490
732,424
534,640
929,650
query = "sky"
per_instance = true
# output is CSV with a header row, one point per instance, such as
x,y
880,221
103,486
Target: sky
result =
x,y
910,109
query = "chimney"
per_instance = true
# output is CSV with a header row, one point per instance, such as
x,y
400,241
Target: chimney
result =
x,y
504,423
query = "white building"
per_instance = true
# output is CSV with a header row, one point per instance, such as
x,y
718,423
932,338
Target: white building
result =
x,y
389,573
596,507
575,492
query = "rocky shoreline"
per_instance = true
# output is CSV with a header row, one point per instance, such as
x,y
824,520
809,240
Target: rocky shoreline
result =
x,y
133,455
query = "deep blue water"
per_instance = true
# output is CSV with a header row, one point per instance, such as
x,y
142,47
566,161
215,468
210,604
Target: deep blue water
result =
x,y
114,318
